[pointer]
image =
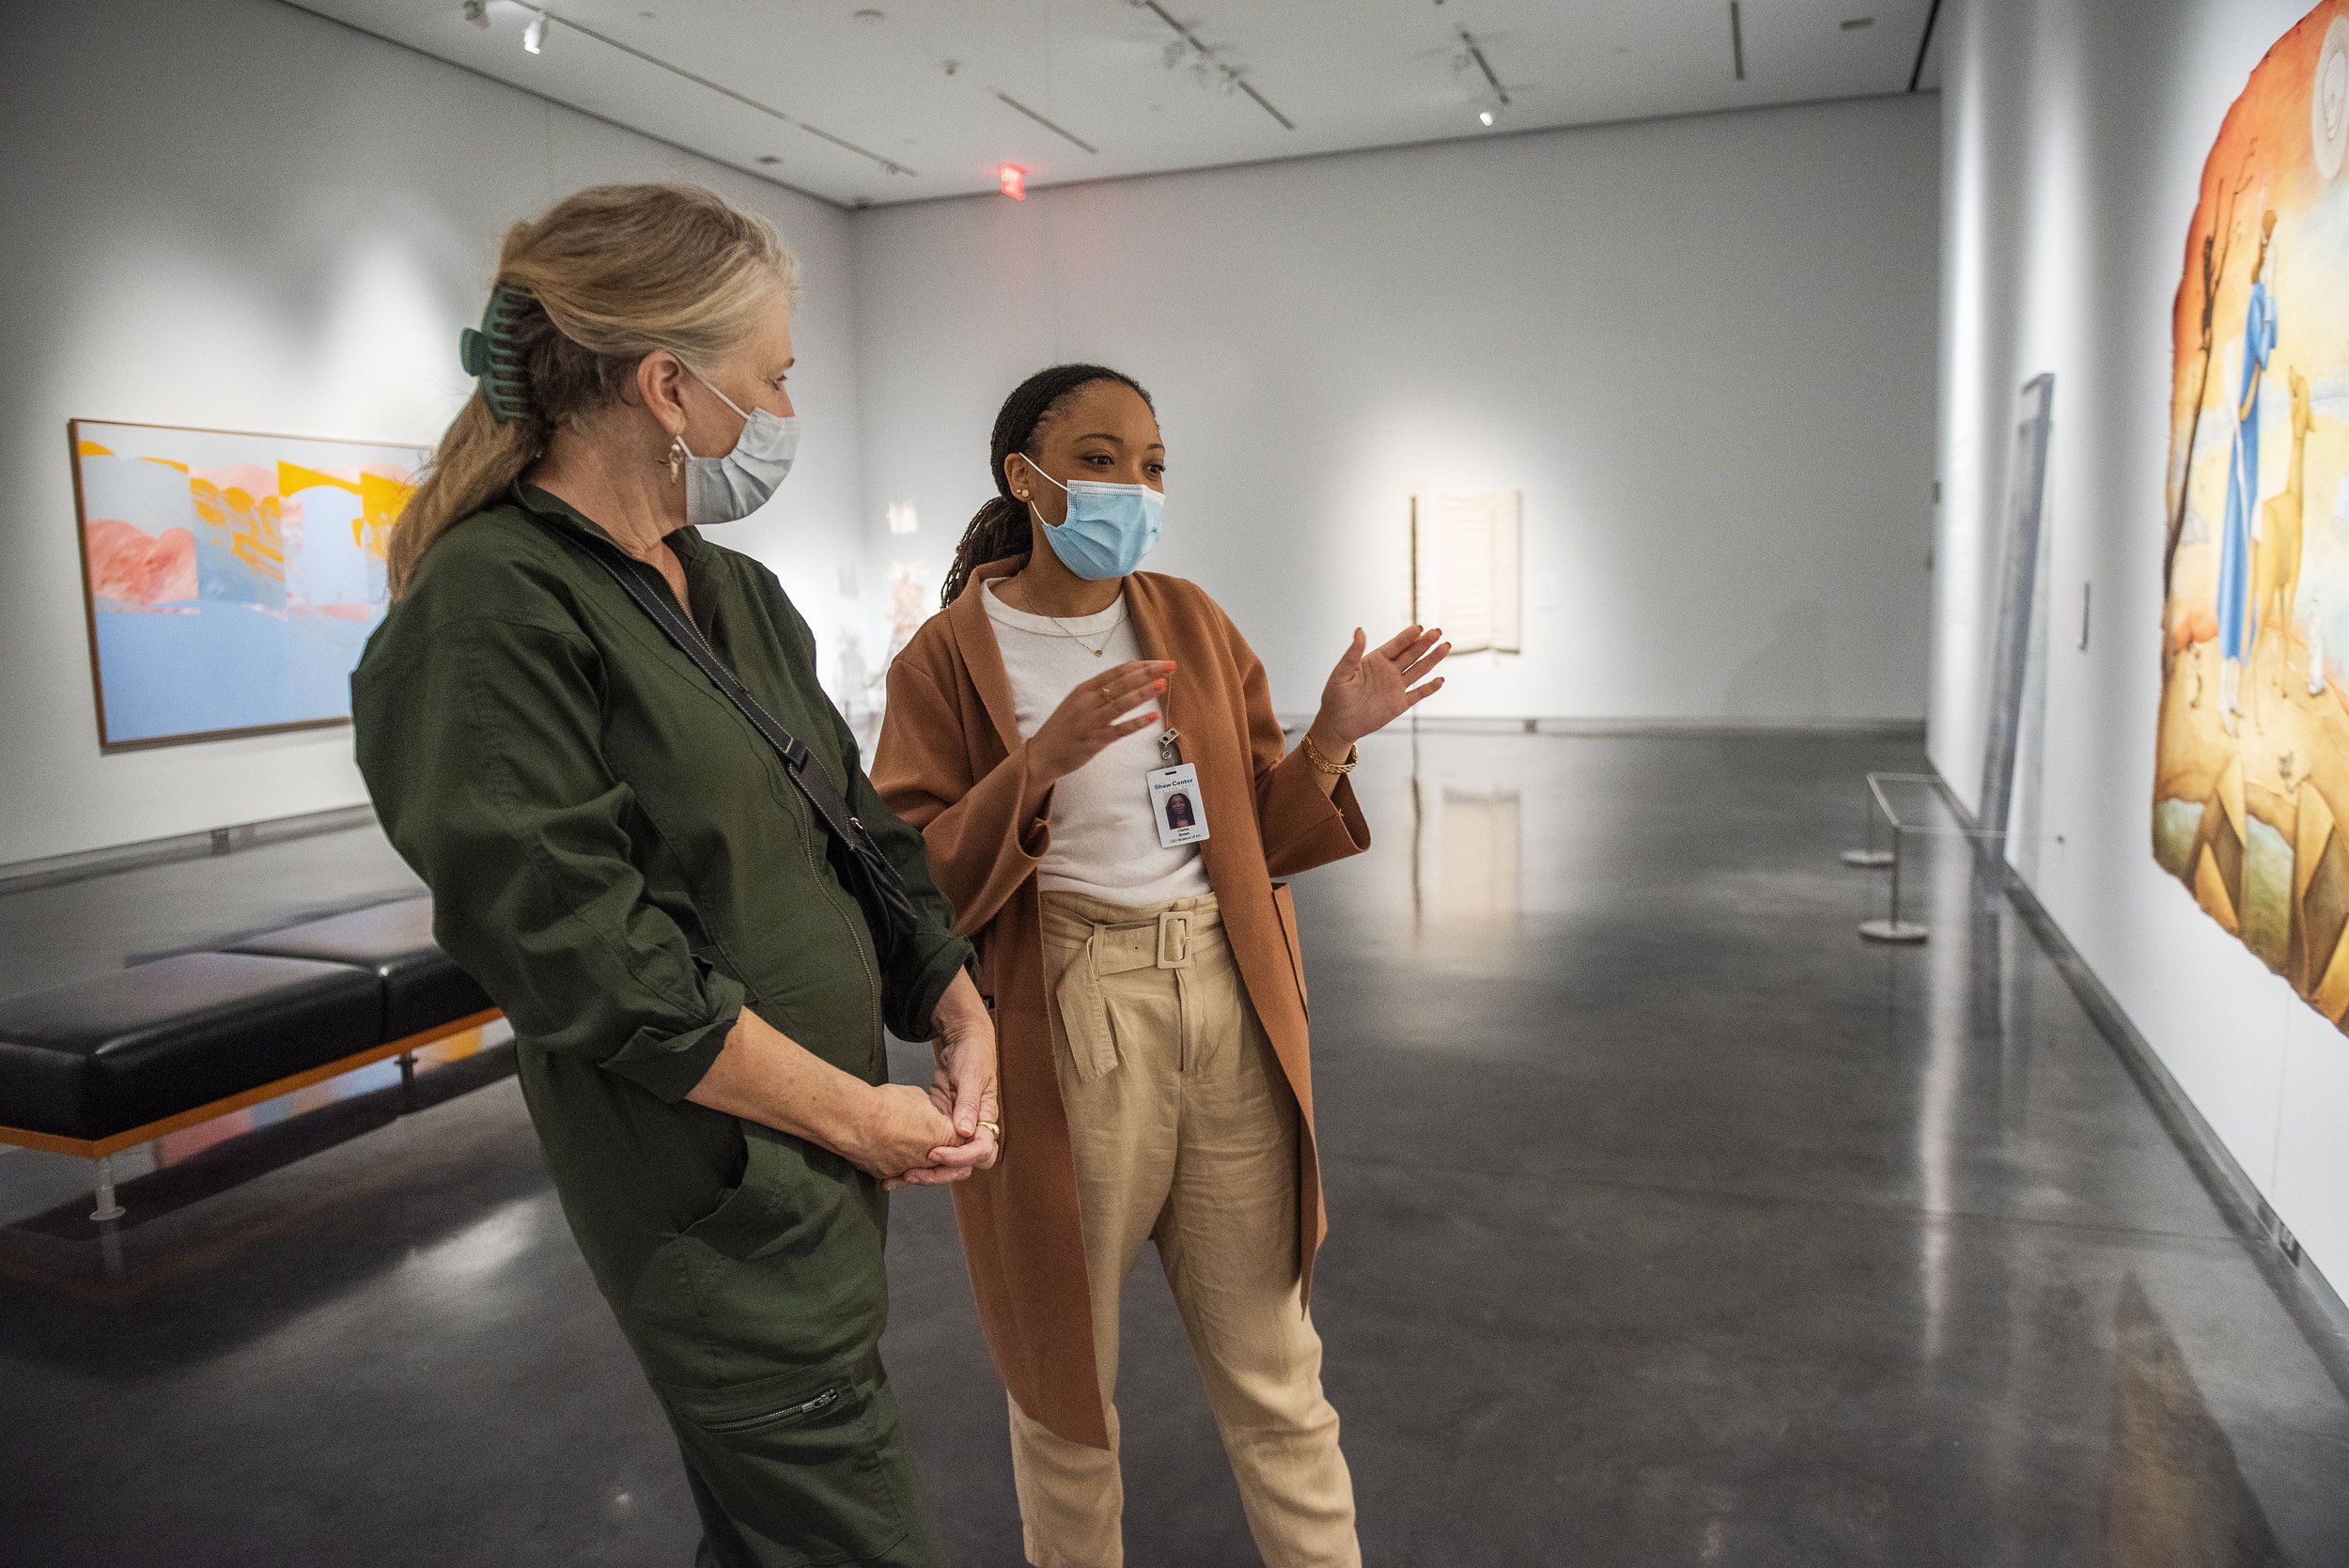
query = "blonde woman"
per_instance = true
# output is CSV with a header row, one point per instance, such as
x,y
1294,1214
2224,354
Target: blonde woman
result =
x,y
650,884
1092,755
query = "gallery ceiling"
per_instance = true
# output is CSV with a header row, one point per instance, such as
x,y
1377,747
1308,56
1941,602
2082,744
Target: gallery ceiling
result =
x,y
894,101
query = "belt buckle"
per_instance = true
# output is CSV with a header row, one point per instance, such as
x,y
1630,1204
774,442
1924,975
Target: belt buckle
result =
x,y
1174,938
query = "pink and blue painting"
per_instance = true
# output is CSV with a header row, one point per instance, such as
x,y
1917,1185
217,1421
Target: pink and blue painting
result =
x,y
231,579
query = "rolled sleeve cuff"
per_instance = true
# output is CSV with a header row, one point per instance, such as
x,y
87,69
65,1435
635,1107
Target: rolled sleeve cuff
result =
x,y
668,1064
1302,827
912,1015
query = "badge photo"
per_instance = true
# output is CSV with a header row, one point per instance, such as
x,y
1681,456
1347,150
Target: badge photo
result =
x,y
1175,805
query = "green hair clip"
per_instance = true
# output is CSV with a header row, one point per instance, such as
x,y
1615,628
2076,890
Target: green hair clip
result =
x,y
489,353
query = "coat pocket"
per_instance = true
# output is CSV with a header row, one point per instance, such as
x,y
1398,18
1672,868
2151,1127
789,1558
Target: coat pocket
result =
x,y
1283,905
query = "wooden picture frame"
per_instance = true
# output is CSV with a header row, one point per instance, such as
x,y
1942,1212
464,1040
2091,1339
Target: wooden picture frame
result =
x,y
229,578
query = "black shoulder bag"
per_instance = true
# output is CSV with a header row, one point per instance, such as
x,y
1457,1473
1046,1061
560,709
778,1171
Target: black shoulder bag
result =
x,y
863,869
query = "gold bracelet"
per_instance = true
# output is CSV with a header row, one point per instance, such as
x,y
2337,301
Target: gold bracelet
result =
x,y
1314,755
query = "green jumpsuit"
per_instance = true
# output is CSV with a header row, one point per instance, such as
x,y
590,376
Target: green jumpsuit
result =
x,y
623,863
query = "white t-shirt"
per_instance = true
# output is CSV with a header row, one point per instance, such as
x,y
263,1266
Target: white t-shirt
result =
x,y
1105,843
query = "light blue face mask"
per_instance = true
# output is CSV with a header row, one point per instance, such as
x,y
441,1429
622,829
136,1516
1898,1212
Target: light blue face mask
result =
x,y
727,489
1109,529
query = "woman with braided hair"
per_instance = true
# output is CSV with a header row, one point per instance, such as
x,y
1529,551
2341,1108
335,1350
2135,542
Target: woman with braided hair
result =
x,y
1091,753
564,724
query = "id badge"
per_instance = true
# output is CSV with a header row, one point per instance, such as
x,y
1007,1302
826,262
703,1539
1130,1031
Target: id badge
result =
x,y
1175,805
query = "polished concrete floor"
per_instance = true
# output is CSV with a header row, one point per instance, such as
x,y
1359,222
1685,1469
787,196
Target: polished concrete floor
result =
x,y
1671,1224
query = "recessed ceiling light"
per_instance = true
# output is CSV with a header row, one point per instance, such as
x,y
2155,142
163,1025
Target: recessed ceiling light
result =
x,y
1853,23
1484,117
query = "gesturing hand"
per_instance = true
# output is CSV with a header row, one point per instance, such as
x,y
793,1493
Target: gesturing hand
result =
x,y
1089,717
1368,691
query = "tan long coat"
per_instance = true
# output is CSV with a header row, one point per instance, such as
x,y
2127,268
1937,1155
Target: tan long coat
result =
x,y
951,761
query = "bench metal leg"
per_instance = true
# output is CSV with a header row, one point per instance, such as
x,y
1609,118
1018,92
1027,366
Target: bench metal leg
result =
x,y
107,1208
407,1080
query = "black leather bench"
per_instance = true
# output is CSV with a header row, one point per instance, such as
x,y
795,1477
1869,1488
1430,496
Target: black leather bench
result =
x,y
422,989
99,1065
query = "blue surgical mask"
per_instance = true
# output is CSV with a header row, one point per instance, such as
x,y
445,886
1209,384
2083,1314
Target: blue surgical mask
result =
x,y
725,489
1109,529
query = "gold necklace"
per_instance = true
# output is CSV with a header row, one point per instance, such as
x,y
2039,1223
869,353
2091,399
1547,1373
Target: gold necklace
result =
x,y
1062,628
1078,638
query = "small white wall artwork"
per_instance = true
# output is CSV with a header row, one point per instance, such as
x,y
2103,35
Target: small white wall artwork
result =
x,y
1467,568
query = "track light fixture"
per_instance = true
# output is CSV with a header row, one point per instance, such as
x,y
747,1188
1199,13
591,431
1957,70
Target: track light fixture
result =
x,y
534,36
1207,67
1473,56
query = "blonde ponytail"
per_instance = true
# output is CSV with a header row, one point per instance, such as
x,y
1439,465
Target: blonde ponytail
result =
x,y
605,277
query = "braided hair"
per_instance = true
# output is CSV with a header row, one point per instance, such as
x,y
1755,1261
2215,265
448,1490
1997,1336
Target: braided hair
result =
x,y
1000,529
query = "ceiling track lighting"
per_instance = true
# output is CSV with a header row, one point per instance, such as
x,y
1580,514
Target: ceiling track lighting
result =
x,y
1736,40
1476,56
1924,47
538,25
535,35
1068,136
1206,63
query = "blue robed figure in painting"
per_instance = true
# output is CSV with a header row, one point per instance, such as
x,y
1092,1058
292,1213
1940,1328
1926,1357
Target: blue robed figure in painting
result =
x,y
2236,627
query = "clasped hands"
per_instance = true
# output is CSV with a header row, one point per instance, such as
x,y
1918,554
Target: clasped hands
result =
x,y
939,1135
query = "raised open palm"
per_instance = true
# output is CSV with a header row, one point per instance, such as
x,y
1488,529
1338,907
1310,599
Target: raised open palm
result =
x,y
1369,690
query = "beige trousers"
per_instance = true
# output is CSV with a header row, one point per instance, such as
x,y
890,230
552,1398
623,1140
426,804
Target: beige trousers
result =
x,y
1185,1133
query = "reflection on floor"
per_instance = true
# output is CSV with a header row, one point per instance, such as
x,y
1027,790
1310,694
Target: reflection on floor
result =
x,y
1671,1223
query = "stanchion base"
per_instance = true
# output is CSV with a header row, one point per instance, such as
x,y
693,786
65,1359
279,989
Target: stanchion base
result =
x,y
1873,859
1905,931
108,1214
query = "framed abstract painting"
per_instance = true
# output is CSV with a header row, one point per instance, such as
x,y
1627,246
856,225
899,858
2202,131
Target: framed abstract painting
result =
x,y
230,578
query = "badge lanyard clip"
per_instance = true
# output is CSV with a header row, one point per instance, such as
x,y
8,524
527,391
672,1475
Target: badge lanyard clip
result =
x,y
1167,753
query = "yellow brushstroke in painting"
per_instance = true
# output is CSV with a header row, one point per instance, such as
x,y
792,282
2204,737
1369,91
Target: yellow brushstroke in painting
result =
x,y
382,498
254,524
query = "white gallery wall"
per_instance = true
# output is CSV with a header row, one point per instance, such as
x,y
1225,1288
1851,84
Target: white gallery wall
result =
x,y
2074,134
237,215
1700,347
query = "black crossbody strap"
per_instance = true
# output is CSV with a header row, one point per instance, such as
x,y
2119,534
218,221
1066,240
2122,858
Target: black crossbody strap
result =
x,y
891,916
808,773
